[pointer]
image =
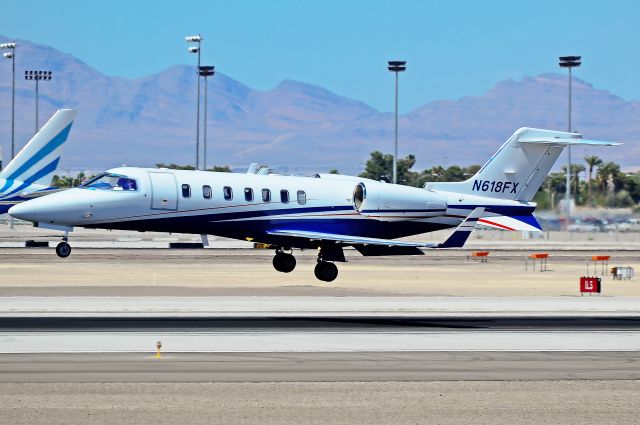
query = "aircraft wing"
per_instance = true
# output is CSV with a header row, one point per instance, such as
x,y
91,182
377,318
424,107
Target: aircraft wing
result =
x,y
456,240
346,239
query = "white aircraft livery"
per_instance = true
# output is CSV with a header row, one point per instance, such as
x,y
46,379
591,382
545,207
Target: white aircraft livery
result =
x,y
29,174
325,212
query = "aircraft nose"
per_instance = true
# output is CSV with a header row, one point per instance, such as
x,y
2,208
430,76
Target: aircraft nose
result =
x,y
24,211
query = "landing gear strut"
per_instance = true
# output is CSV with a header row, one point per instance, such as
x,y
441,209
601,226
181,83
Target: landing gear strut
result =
x,y
283,262
63,249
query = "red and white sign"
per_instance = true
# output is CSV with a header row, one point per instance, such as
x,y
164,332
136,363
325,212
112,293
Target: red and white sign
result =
x,y
590,284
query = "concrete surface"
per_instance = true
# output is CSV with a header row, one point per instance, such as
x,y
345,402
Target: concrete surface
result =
x,y
318,306
249,272
319,367
491,403
44,334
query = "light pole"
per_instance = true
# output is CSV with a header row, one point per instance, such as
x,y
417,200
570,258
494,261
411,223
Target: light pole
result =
x,y
205,71
569,62
197,39
396,66
12,55
37,76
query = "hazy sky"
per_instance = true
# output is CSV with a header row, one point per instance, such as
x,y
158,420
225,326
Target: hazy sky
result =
x,y
453,48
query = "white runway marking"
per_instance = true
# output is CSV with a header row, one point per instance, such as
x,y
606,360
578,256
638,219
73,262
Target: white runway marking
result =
x,y
269,341
313,306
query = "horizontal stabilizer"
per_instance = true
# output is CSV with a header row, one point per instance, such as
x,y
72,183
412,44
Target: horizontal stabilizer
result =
x,y
527,223
565,141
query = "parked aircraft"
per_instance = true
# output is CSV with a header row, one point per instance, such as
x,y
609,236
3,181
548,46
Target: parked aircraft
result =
x,y
325,212
29,174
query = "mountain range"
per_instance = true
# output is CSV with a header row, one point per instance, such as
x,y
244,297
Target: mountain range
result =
x,y
295,127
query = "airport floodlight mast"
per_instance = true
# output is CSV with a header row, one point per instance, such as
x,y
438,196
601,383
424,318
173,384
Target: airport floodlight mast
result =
x,y
37,76
396,66
12,55
196,39
569,62
205,71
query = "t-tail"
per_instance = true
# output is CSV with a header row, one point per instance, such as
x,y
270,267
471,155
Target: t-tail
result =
x,y
515,173
34,166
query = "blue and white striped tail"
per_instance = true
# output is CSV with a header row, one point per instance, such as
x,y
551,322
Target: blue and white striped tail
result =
x,y
34,166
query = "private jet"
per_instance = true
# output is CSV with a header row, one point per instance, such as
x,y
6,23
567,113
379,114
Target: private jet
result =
x,y
326,212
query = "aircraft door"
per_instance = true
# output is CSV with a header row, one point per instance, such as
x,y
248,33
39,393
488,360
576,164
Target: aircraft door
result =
x,y
164,191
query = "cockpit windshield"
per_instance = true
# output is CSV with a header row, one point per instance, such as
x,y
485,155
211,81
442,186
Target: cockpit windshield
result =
x,y
111,182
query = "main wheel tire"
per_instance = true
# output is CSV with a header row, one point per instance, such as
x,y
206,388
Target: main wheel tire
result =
x,y
325,271
63,250
284,263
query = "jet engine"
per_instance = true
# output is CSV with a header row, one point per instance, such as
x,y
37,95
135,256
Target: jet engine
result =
x,y
390,202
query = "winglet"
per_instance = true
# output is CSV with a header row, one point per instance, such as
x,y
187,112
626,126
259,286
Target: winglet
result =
x,y
462,232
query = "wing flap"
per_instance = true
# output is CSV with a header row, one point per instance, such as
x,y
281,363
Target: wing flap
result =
x,y
347,239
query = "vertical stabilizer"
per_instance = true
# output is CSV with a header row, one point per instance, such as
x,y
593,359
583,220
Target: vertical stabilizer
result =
x,y
518,168
38,160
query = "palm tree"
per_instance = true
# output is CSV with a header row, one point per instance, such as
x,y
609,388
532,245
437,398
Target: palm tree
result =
x,y
576,169
592,161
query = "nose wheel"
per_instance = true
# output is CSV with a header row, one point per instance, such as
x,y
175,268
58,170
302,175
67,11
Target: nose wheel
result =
x,y
283,262
63,249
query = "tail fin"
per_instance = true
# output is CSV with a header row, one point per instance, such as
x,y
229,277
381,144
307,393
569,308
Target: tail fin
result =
x,y
38,160
518,168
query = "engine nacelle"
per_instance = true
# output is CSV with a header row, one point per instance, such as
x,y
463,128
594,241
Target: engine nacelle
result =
x,y
391,202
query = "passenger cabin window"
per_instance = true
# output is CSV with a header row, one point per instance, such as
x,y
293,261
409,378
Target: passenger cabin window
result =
x,y
266,195
228,193
284,196
248,194
206,192
186,191
111,182
302,197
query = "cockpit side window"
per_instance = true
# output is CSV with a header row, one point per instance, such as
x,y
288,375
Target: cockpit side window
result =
x,y
111,182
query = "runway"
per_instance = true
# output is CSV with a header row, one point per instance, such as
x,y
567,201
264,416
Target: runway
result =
x,y
316,324
319,367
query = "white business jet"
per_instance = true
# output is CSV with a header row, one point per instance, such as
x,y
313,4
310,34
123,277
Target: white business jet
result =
x,y
325,212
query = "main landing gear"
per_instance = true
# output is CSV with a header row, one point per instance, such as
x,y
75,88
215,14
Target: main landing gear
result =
x,y
325,269
63,249
283,262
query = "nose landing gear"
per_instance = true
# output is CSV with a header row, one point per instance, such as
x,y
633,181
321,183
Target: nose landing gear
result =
x,y
283,262
63,249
